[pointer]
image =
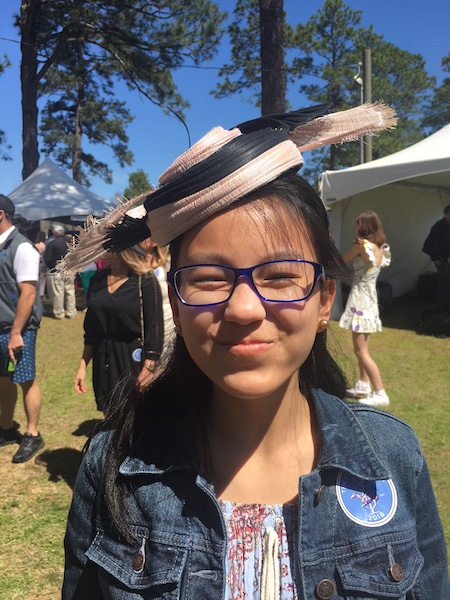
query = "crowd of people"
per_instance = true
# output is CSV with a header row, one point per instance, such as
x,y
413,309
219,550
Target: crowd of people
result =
x,y
223,467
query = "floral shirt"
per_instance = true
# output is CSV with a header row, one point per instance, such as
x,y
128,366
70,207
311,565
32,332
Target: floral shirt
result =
x,y
248,527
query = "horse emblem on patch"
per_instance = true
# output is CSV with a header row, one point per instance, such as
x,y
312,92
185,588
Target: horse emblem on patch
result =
x,y
368,503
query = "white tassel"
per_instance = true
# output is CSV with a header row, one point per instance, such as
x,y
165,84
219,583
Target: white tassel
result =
x,y
270,579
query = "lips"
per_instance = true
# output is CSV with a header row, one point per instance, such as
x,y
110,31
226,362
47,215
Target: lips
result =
x,y
248,347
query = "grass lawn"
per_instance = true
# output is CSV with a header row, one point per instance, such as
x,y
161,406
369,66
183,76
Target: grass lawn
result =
x,y
35,496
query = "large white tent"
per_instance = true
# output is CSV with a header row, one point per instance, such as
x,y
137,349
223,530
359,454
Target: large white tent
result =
x,y
408,189
49,193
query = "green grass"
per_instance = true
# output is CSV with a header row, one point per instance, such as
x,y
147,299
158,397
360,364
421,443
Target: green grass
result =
x,y
35,496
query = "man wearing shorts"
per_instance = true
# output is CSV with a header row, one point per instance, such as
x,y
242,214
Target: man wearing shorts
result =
x,y
20,317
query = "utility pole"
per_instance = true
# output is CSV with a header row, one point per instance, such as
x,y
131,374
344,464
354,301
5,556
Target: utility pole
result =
x,y
367,97
360,82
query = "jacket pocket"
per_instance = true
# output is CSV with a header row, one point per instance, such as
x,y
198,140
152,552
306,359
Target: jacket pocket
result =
x,y
388,569
155,563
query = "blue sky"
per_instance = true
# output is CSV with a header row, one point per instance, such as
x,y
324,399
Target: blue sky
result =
x,y
156,140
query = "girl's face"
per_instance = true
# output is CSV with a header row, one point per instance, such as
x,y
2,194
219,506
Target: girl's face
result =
x,y
247,347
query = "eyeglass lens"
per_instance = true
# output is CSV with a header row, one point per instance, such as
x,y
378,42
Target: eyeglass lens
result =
x,y
276,281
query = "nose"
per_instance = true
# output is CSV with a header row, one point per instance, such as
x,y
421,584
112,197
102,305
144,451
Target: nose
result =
x,y
244,306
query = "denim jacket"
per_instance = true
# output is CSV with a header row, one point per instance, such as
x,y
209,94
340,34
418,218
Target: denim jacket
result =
x,y
368,521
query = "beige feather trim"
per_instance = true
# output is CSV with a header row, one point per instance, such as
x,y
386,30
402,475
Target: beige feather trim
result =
x,y
89,246
344,126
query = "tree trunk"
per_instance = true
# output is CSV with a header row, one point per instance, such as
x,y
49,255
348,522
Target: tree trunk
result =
x,y
29,85
273,73
78,131
76,155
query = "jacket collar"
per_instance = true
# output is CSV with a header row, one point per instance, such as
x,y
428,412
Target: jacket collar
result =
x,y
164,445
169,444
345,442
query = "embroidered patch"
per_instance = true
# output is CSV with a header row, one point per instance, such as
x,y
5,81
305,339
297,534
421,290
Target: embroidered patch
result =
x,y
368,503
136,355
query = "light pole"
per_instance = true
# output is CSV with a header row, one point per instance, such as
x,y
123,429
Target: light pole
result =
x,y
360,82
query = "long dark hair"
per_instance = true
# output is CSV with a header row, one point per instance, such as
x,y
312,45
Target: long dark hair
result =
x,y
296,200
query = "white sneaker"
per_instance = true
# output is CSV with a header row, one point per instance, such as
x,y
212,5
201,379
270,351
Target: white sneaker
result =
x,y
361,389
376,398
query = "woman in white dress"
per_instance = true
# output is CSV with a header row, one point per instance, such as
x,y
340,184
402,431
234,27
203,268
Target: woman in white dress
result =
x,y
369,255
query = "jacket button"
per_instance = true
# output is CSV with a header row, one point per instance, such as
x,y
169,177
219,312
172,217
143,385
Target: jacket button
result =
x,y
138,561
396,572
325,589
319,493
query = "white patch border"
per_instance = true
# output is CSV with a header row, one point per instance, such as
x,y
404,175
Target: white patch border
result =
x,y
136,355
352,517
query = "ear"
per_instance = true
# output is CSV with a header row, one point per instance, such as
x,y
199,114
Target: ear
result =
x,y
174,305
327,296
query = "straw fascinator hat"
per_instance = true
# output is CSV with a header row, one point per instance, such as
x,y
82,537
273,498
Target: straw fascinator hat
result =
x,y
221,168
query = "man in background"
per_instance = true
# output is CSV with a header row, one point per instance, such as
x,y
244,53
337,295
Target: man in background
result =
x,y
20,317
437,246
62,289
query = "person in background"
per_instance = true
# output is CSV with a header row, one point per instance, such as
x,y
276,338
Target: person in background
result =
x,y
39,243
158,259
437,246
86,275
123,306
240,472
62,289
20,316
101,263
369,254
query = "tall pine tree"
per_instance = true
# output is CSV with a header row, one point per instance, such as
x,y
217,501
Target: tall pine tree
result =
x,y
141,41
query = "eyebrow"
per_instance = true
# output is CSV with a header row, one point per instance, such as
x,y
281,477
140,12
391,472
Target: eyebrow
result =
x,y
215,258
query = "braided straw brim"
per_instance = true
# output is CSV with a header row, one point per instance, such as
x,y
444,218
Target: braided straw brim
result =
x,y
168,222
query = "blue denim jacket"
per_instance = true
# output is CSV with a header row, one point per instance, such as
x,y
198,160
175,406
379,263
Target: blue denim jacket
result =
x,y
356,540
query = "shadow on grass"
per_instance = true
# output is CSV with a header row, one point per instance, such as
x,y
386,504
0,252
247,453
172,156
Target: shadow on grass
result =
x,y
61,464
87,428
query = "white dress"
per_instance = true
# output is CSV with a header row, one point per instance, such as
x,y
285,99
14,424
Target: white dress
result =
x,y
361,312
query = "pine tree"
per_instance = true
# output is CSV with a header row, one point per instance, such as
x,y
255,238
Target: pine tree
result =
x,y
331,44
257,35
437,111
323,56
138,183
4,146
140,41
82,106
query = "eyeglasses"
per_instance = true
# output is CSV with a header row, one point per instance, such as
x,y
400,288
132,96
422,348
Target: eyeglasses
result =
x,y
276,281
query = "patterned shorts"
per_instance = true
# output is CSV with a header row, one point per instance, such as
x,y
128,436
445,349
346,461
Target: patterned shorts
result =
x,y
26,365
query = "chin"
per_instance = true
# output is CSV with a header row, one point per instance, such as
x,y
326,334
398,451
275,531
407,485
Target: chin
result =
x,y
250,386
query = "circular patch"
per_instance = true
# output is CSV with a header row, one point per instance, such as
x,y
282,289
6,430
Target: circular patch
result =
x,y
368,503
136,355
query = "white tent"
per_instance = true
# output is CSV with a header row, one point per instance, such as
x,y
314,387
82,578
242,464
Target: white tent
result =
x,y
408,190
49,193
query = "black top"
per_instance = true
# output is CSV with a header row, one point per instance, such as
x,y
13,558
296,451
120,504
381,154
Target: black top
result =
x,y
113,327
56,249
437,244
116,315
